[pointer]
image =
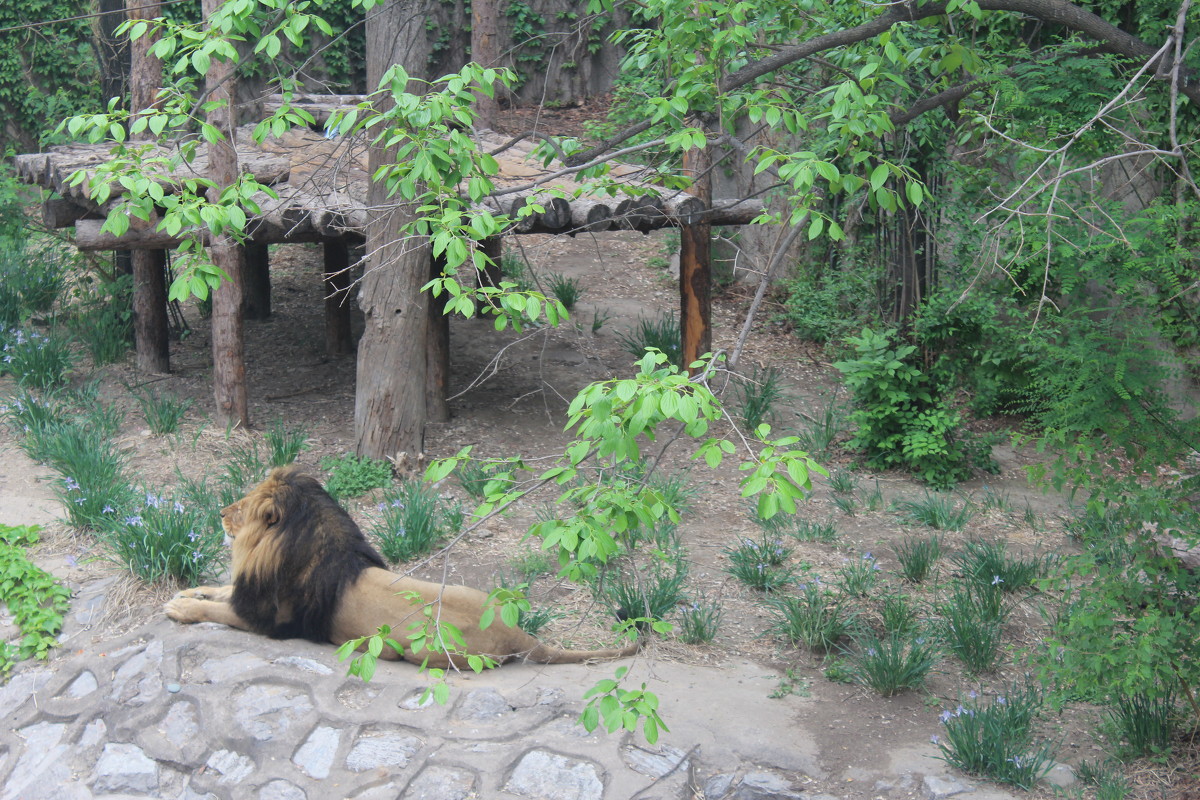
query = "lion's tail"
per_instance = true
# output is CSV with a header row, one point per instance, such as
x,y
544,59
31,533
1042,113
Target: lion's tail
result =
x,y
547,654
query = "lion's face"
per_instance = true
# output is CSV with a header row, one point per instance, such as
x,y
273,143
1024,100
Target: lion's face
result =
x,y
250,526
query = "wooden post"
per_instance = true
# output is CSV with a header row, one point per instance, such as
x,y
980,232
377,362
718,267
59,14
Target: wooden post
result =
x,y
437,349
256,300
338,338
228,344
695,258
149,267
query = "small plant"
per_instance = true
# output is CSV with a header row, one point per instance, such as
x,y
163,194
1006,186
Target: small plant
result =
x,y
996,741
351,476
93,485
813,617
1109,783
284,443
163,413
847,504
843,482
918,557
760,564
36,360
531,564
567,290
900,614
892,664
533,620
643,594
661,334
873,499
819,434
244,470
33,416
106,331
939,512
859,576
988,563
971,619
412,519
159,537
996,501
36,601
1145,723
790,683
599,318
699,621
756,395
657,262
480,479
799,528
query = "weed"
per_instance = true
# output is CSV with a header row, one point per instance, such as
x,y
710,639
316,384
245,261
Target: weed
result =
x,y
643,594
35,600
531,564
284,443
987,563
163,412
700,620
567,290
799,528
36,360
599,318
971,619
760,564
937,511
843,482
351,475
892,664
661,334
790,683
918,557
534,619
813,617
996,740
159,537
859,576
819,434
412,519
1145,723
756,395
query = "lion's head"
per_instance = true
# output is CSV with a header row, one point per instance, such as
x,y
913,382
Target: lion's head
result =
x,y
295,550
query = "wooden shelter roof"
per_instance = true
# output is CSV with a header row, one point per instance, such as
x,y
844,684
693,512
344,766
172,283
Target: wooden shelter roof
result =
x,y
322,188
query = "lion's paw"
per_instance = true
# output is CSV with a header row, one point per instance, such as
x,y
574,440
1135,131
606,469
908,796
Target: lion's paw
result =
x,y
184,609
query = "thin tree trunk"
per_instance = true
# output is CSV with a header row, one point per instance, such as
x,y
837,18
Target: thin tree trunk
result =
x,y
695,264
485,51
229,367
150,331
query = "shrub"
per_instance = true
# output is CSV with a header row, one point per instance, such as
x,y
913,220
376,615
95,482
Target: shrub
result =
x,y
813,617
351,476
899,420
891,664
829,306
996,741
159,537
412,519
662,334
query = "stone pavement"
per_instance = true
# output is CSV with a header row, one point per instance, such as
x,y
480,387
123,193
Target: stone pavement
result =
x,y
203,711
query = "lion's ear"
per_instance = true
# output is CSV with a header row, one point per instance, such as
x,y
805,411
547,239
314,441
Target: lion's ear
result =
x,y
271,514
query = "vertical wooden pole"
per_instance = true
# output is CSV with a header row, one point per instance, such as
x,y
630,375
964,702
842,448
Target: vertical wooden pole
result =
x,y
695,260
437,361
228,344
149,267
256,300
338,338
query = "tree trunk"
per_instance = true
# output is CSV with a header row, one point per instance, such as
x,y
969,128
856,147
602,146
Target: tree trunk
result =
x,y
339,339
229,367
150,331
695,268
485,51
256,288
389,407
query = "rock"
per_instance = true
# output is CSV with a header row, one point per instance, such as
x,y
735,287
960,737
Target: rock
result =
x,y
382,749
1060,775
125,768
765,786
93,734
20,688
655,763
549,776
267,711
315,756
233,767
42,761
305,664
82,686
138,681
356,695
718,786
280,789
483,705
231,668
937,787
441,783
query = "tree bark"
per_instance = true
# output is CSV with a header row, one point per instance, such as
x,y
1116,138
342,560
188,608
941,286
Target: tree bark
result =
x,y
150,329
256,291
229,366
339,340
390,405
485,51
695,264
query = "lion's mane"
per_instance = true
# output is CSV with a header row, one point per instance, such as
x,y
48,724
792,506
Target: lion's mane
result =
x,y
295,552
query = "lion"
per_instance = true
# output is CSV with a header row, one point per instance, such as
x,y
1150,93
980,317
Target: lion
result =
x,y
303,569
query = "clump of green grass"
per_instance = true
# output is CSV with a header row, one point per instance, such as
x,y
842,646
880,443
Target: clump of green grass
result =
x,y
812,617
918,557
900,615
939,512
31,415
798,528
533,620
93,485
996,740
105,331
843,482
756,395
760,564
893,663
411,520
566,290
244,470
531,564
988,563
163,413
972,619
481,478
352,476
643,594
661,334
859,576
818,435
700,620
1145,723
159,537
284,442
37,360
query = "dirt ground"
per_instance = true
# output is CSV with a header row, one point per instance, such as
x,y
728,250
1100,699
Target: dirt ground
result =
x,y
509,393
